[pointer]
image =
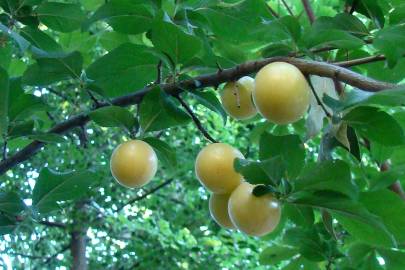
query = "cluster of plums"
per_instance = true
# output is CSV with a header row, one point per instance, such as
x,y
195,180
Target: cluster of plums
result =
x,y
281,94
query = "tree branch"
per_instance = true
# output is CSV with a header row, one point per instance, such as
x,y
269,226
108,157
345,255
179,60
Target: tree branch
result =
x,y
334,71
309,10
56,254
146,194
53,224
361,61
196,120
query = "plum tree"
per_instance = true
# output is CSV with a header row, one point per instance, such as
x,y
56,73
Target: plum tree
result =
x,y
236,98
218,205
281,93
133,163
214,168
255,216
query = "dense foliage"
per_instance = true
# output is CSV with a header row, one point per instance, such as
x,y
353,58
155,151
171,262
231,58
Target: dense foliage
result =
x,y
114,70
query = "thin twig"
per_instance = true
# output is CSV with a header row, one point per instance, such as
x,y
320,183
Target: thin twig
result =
x,y
272,11
159,72
361,61
195,120
56,254
5,149
146,194
309,10
93,98
318,100
288,8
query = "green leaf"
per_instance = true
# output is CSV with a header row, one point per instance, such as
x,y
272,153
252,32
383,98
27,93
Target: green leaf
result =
x,y
389,207
40,39
47,137
52,187
22,105
384,179
129,17
376,125
11,203
276,254
172,40
387,40
302,264
210,100
159,111
4,93
289,147
397,16
62,17
300,215
275,49
334,38
113,116
328,175
50,70
165,153
394,259
130,67
371,9
251,171
308,241
355,218
250,21
356,97
265,172
7,225
342,21
21,129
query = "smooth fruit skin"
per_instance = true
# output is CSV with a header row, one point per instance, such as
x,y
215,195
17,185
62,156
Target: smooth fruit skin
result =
x,y
236,98
218,205
133,163
255,216
214,168
281,94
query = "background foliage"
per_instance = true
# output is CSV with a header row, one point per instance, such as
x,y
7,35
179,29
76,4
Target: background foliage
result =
x,y
63,58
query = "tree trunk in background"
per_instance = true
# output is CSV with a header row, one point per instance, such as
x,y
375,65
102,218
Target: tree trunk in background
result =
x,y
79,240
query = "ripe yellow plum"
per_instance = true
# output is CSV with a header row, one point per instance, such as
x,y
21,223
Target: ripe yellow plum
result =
x,y
281,93
133,163
214,168
237,100
218,205
255,216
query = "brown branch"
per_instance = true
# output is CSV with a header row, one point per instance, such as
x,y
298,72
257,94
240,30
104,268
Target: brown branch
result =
x,y
361,61
396,186
146,194
196,121
308,10
334,71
